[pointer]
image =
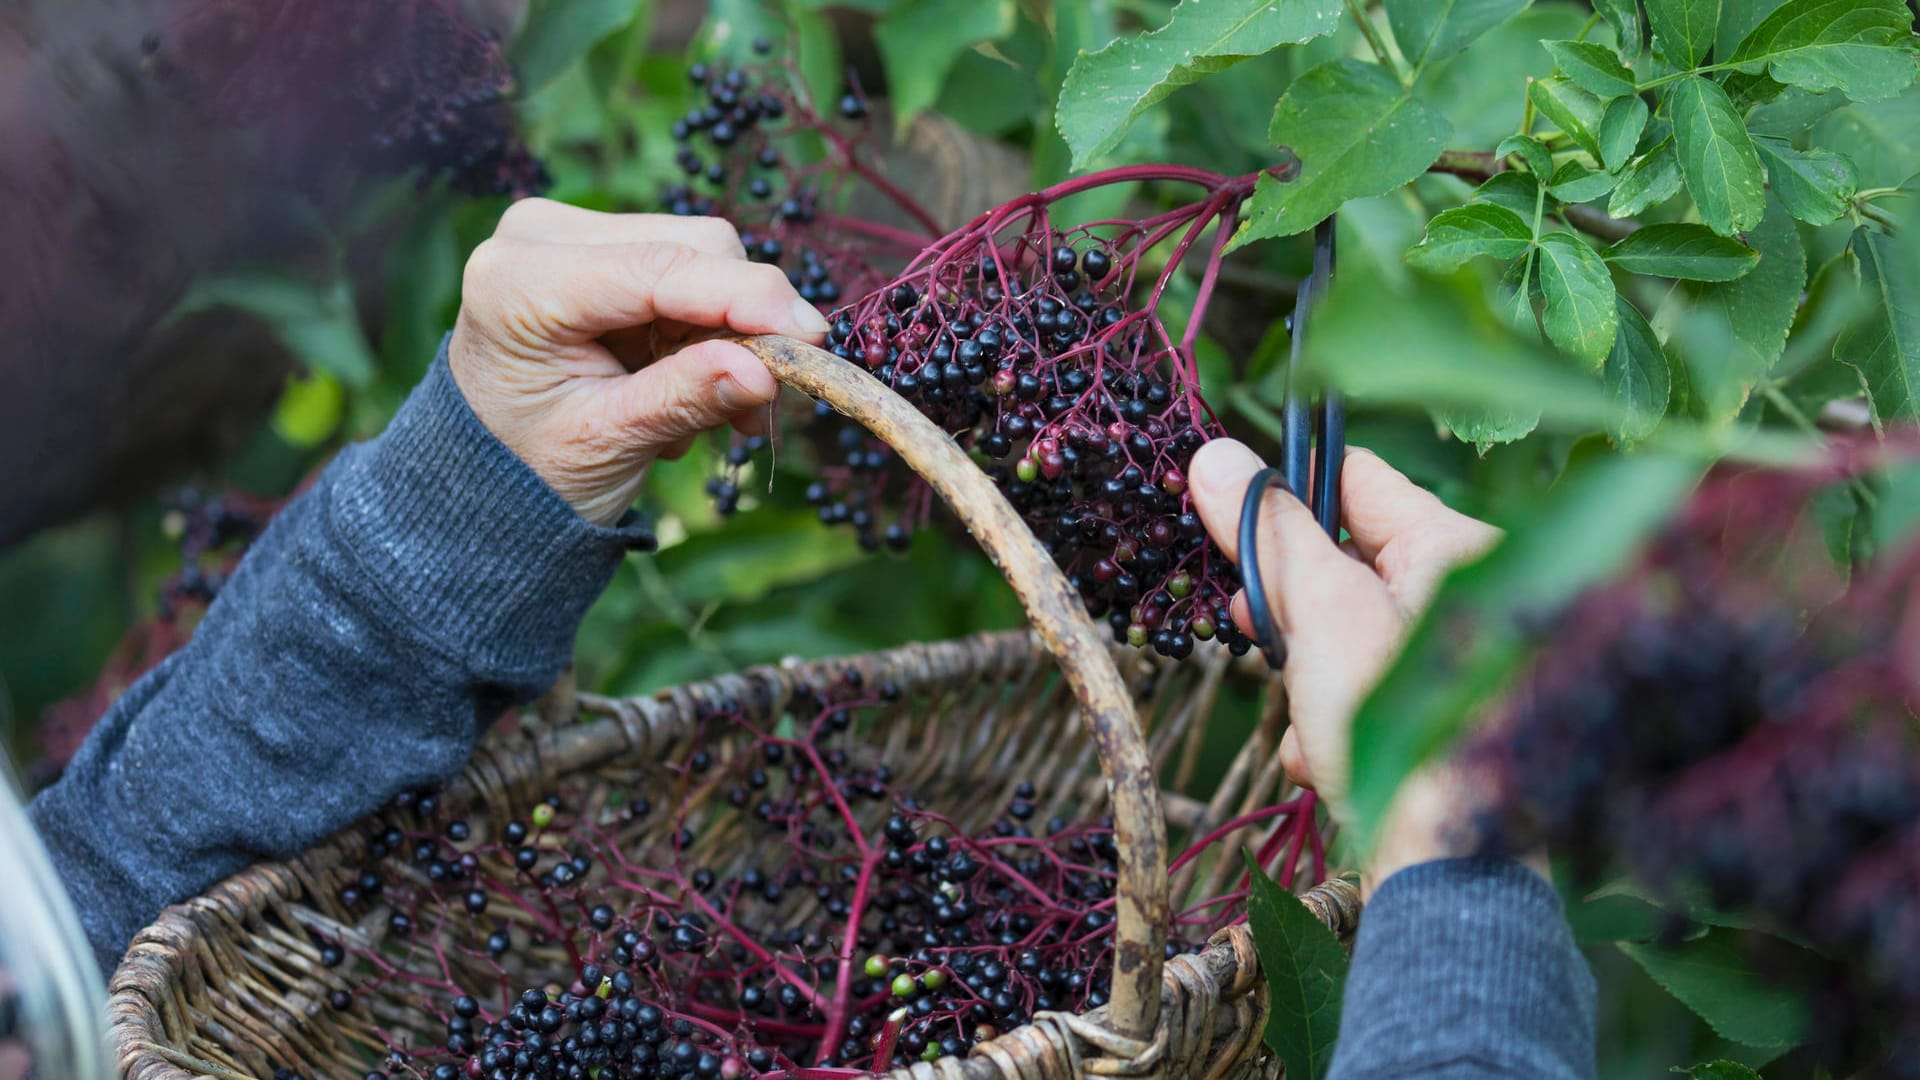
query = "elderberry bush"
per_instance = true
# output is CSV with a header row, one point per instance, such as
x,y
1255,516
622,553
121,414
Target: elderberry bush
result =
x,y
788,907
1736,728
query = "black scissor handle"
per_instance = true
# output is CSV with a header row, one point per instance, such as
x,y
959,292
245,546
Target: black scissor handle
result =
x,y
1266,632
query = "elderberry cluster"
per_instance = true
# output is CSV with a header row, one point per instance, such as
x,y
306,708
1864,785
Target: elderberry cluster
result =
x,y
1690,726
203,525
1038,362
803,913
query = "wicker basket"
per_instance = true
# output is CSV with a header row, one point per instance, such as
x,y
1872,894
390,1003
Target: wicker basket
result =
x,y
230,984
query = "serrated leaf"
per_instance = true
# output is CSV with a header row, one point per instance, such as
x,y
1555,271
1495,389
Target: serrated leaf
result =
x,y
1711,976
1427,30
1691,252
1651,179
1793,112
1575,183
1748,319
1718,1070
1468,232
558,32
1305,970
1356,131
1484,428
1581,316
1637,377
1107,90
1625,17
1572,110
920,40
1884,344
1469,644
1592,67
1881,138
1683,30
1517,191
1717,156
1620,130
1531,150
1815,186
1863,48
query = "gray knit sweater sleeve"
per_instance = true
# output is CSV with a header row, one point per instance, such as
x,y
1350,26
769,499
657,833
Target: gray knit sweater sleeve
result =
x,y
427,581
1465,968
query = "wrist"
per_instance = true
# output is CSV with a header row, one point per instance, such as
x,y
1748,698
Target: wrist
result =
x,y
1433,817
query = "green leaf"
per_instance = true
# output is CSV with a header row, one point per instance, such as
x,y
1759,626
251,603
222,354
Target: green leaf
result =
x,y
1653,178
1863,48
310,410
752,556
1881,138
1575,183
317,322
1105,91
1717,157
1516,191
1447,347
1625,17
1484,428
1356,131
1746,320
1427,30
1573,110
1471,641
1718,1070
1593,67
1475,89
1305,970
1531,150
920,40
1620,130
1581,315
1885,343
1693,252
1711,976
1467,232
733,26
1815,186
1683,30
1637,377
559,32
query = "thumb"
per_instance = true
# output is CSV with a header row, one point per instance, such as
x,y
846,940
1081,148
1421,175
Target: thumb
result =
x,y
700,388
1305,575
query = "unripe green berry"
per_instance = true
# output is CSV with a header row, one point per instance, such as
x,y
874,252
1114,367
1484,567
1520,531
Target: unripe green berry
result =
x,y
1202,628
904,986
1137,635
542,816
934,980
1181,586
1028,470
931,1053
876,967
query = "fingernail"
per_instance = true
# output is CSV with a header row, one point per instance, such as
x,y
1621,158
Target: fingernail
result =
x,y
808,320
1225,462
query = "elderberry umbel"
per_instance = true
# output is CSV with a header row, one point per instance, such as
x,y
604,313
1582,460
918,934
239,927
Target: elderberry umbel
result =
x,y
796,912
1733,720
1042,352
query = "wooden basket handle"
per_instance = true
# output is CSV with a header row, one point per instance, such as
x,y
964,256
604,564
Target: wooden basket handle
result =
x,y
1060,618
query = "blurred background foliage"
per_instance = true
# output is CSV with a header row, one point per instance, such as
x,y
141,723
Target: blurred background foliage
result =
x,y
971,88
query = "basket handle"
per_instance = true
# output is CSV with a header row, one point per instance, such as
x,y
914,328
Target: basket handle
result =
x,y
1057,614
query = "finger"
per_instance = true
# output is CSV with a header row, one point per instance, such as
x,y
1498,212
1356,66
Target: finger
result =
x,y
1378,504
700,388
1294,760
544,221
753,422
1304,573
678,450
566,294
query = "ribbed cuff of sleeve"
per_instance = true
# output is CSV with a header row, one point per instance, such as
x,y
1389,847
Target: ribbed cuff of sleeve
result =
x,y
466,540
1466,967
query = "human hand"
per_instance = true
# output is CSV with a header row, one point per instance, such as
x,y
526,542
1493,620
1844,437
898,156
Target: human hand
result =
x,y
581,342
1343,612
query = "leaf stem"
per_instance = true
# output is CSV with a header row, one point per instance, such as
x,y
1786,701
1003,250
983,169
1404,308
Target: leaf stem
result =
x,y
1377,43
1663,80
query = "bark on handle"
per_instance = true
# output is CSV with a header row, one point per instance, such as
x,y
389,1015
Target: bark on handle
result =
x,y
1057,614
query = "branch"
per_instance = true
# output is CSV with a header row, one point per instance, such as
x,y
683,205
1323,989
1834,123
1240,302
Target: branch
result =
x,y
1481,167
